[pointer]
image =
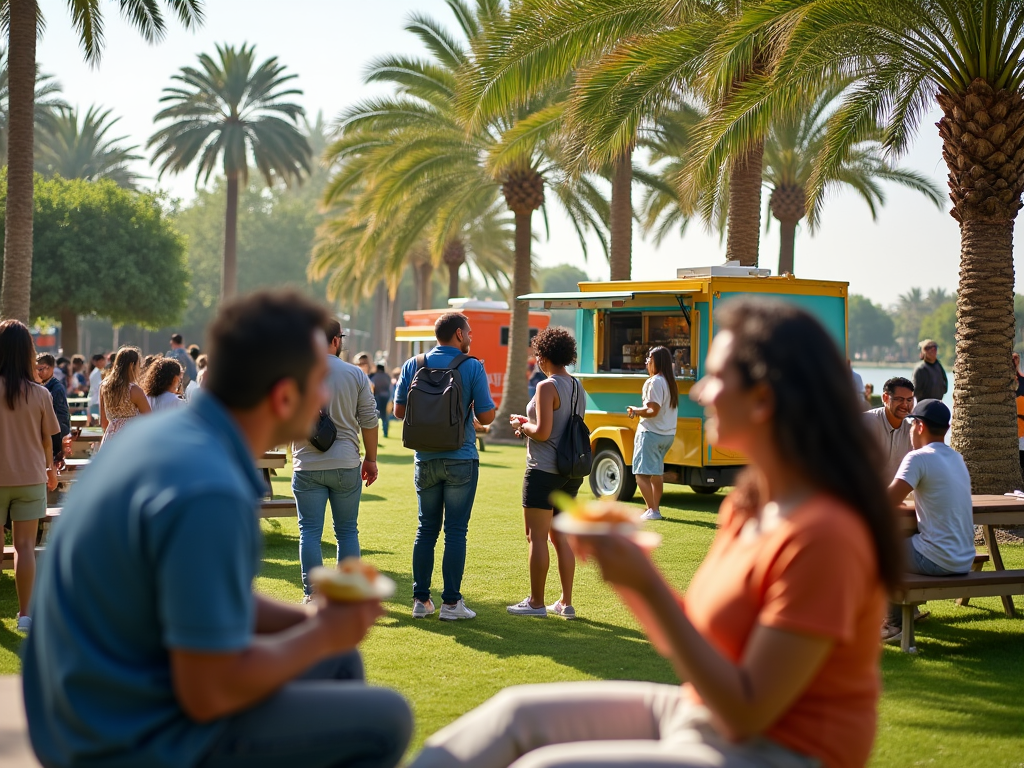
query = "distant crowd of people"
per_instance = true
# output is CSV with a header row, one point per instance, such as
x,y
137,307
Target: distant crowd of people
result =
x,y
148,644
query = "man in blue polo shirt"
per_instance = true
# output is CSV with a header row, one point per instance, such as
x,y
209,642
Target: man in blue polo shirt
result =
x,y
148,645
446,480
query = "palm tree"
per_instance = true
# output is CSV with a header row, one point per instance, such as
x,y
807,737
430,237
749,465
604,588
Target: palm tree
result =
x,y
22,20
905,57
230,112
424,172
790,157
47,100
83,151
631,58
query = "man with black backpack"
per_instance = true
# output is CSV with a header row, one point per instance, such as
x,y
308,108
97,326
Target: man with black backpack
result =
x,y
437,395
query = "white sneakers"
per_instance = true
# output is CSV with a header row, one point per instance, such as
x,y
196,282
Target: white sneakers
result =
x,y
566,612
24,623
456,612
652,514
421,610
523,608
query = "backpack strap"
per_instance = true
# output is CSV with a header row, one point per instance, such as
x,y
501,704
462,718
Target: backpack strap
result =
x,y
458,360
421,362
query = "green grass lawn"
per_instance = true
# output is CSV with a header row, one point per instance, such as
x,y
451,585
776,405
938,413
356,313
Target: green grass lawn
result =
x,y
959,700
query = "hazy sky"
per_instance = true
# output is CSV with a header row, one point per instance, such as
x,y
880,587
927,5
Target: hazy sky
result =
x,y
327,43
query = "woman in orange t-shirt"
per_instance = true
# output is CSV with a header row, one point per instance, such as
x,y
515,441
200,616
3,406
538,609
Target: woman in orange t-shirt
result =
x,y
777,636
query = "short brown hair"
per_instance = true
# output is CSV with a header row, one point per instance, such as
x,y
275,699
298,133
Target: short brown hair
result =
x,y
556,345
45,358
447,324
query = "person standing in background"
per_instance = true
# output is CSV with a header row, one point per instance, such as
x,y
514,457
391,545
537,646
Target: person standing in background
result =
x,y
179,353
1019,390
27,427
335,475
930,381
656,432
79,384
96,366
45,375
121,397
382,395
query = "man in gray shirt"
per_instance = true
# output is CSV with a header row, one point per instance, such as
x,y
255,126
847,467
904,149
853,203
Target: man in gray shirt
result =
x,y
889,423
336,474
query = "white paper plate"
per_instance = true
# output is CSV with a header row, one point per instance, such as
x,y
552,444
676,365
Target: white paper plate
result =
x,y
566,523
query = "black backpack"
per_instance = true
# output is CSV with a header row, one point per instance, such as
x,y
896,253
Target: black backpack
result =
x,y
435,416
325,432
573,456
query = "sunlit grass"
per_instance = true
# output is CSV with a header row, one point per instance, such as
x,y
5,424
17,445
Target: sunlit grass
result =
x,y
956,703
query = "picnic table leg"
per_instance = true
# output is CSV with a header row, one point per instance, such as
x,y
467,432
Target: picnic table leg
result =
x,y
907,639
997,563
963,601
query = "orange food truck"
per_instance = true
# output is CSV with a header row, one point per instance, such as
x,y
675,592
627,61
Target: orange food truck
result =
x,y
490,322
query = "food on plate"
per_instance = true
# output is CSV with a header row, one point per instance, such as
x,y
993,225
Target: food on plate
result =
x,y
603,512
594,516
354,579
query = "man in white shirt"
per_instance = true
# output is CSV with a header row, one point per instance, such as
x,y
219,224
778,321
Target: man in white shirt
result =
x,y
889,424
99,362
938,476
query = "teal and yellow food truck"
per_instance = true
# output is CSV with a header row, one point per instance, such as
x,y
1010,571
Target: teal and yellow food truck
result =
x,y
618,322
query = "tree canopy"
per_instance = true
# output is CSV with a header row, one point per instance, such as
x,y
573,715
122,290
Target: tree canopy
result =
x,y
101,249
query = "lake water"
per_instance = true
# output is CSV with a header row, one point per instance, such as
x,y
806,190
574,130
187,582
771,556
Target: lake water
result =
x,y
878,377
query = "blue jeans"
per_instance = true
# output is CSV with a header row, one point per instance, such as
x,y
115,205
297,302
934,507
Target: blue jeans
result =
x,y
312,489
915,562
446,489
327,717
382,411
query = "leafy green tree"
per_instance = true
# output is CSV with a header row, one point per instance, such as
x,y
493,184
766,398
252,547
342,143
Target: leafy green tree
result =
x,y
870,327
76,150
104,250
230,111
22,21
940,325
905,57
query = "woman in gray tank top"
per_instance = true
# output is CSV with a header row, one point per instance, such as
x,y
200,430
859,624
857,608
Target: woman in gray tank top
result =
x,y
547,417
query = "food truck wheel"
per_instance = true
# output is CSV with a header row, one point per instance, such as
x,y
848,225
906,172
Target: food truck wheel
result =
x,y
610,477
704,488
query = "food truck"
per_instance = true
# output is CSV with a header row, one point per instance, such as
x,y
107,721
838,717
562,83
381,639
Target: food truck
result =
x,y
618,322
490,321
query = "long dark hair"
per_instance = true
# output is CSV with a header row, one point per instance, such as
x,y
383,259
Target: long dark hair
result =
x,y
17,360
662,360
124,372
818,423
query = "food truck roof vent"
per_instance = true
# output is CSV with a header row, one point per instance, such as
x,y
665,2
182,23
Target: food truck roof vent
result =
x,y
477,304
729,269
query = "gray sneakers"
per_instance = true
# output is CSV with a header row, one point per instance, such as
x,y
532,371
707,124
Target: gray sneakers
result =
x,y
455,612
562,611
525,609
421,610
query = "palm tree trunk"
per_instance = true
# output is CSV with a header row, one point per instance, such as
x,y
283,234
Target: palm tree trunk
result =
x,y
424,284
514,388
393,357
15,297
453,281
621,257
229,269
745,206
787,240
380,300
984,411
69,332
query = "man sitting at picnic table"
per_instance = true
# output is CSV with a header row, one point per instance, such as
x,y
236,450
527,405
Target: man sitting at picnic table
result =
x,y
149,647
938,476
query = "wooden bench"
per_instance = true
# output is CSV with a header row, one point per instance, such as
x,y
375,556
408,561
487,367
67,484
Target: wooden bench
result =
x,y
7,562
278,508
918,589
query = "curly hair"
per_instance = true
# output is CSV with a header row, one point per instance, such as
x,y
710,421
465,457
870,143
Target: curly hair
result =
x,y
159,375
556,345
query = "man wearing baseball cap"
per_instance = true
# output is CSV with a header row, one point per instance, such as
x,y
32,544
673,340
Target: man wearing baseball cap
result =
x,y
930,378
938,476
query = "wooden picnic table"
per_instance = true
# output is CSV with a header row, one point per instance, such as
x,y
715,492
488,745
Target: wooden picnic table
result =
x,y
990,512
78,404
79,420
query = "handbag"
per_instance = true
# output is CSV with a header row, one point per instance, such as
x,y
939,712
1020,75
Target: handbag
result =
x,y
325,432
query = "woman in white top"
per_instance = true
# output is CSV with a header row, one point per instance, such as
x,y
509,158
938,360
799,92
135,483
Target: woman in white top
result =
x,y
657,429
162,383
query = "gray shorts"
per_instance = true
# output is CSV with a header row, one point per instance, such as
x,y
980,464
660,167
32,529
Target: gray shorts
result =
x,y
649,452
22,502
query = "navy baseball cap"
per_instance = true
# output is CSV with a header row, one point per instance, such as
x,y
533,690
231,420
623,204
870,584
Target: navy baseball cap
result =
x,y
934,412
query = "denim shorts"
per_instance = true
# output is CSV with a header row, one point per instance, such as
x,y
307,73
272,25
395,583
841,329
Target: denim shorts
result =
x,y
649,452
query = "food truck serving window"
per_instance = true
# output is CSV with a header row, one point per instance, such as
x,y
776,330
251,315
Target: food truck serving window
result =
x,y
629,336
